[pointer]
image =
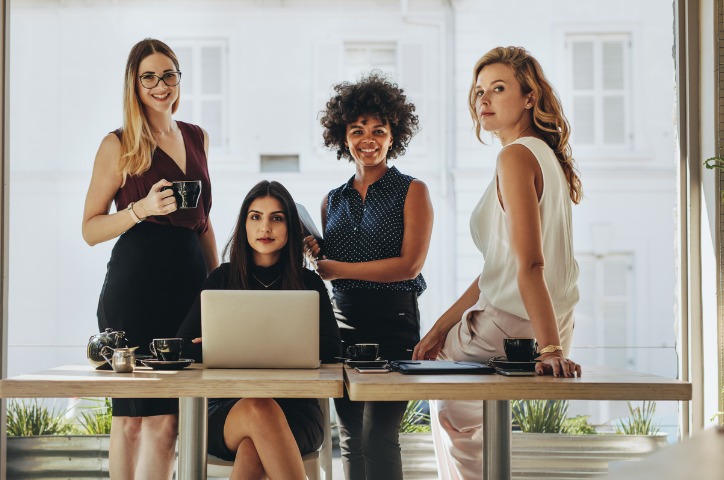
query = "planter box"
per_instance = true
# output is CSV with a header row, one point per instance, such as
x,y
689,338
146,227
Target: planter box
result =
x,y
542,455
561,456
57,456
418,456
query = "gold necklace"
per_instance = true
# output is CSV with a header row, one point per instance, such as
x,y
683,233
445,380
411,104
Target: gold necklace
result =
x,y
266,285
171,130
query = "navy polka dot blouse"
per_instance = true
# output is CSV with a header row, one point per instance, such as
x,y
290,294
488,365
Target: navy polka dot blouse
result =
x,y
358,231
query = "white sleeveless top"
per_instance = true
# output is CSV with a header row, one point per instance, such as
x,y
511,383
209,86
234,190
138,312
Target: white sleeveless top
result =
x,y
498,282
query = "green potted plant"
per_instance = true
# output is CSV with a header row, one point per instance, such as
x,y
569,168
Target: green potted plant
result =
x,y
547,443
42,440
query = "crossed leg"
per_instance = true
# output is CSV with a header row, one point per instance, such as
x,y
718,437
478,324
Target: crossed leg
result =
x,y
257,430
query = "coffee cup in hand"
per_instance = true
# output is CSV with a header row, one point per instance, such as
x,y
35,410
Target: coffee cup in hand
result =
x,y
186,193
166,349
363,351
519,349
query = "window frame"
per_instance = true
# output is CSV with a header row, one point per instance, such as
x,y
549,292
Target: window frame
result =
x,y
196,97
598,92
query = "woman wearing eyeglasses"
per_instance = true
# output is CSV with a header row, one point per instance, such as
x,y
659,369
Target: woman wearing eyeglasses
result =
x,y
162,254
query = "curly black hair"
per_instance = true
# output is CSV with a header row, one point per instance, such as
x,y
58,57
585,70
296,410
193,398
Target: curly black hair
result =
x,y
372,95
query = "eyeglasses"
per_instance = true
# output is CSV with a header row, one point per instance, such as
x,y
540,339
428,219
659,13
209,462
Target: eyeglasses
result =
x,y
149,80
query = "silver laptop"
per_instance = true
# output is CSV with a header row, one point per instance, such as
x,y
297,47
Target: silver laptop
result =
x,y
260,328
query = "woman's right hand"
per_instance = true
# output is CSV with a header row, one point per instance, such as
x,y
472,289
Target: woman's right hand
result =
x,y
157,202
430,346
312,246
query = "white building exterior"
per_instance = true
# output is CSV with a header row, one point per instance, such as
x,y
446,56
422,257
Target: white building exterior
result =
x,y
256,74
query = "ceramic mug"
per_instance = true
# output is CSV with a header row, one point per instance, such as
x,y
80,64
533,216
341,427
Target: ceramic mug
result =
x,y
363,351
519,349
166,349
186,192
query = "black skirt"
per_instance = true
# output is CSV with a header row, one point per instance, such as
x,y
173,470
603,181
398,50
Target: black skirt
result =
x,y
153,277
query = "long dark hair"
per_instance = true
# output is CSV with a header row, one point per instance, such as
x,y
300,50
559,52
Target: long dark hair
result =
x,y
240,252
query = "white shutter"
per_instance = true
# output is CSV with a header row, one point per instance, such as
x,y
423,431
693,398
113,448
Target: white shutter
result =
x,y
185,57
582,65
613,85
212,87
583,118
599,71
585,329
204,86
614,120
412,80
211,70
327,72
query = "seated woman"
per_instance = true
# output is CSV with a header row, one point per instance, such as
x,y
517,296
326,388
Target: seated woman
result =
x,y
265,437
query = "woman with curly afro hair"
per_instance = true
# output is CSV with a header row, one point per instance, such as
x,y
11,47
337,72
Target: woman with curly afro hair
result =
x,y
377,229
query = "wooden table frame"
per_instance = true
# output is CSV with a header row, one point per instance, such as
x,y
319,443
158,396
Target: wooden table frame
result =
x,y
496,391
193,386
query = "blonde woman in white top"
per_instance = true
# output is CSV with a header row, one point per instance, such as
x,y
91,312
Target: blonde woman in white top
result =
x,y
522,226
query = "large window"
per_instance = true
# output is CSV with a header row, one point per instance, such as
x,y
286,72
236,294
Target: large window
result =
x,y
604,314
204,66
599,76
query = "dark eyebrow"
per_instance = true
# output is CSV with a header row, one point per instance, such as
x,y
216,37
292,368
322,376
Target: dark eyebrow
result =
x,y
154,73
272,213
374,126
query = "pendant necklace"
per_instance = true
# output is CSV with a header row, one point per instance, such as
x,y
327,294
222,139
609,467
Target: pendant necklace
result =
x,y
265,285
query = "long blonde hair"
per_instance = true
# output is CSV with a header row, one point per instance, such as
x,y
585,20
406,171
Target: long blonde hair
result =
x,y
137,142
547,112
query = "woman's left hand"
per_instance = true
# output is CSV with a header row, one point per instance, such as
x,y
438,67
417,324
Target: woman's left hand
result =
x,y
196,340
557,365
327,269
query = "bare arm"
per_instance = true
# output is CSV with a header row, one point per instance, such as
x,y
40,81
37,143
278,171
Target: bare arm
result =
x,y
431,344
208,238
100,226
519,183
418,217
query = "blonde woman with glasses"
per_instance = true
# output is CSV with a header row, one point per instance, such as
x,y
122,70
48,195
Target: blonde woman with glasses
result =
x,y
162,253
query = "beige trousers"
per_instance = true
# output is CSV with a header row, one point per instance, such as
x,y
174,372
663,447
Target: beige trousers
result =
x,y
457,424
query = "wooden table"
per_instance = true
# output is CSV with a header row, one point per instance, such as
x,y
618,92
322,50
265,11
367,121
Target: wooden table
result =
x,y
193,386
597,383
699,457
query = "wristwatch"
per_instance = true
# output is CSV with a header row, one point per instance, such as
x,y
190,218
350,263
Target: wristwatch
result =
x,y
133,214
550,349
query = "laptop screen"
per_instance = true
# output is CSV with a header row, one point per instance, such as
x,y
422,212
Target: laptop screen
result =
x,y
260,328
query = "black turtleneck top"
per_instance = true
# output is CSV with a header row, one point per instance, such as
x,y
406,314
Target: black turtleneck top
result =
x,y
265,278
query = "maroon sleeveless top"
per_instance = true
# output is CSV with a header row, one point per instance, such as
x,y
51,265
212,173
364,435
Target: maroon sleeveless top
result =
x,y
164,167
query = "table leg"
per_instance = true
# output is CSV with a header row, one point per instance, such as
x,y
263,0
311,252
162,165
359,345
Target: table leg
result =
x,y
192,446
496,440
